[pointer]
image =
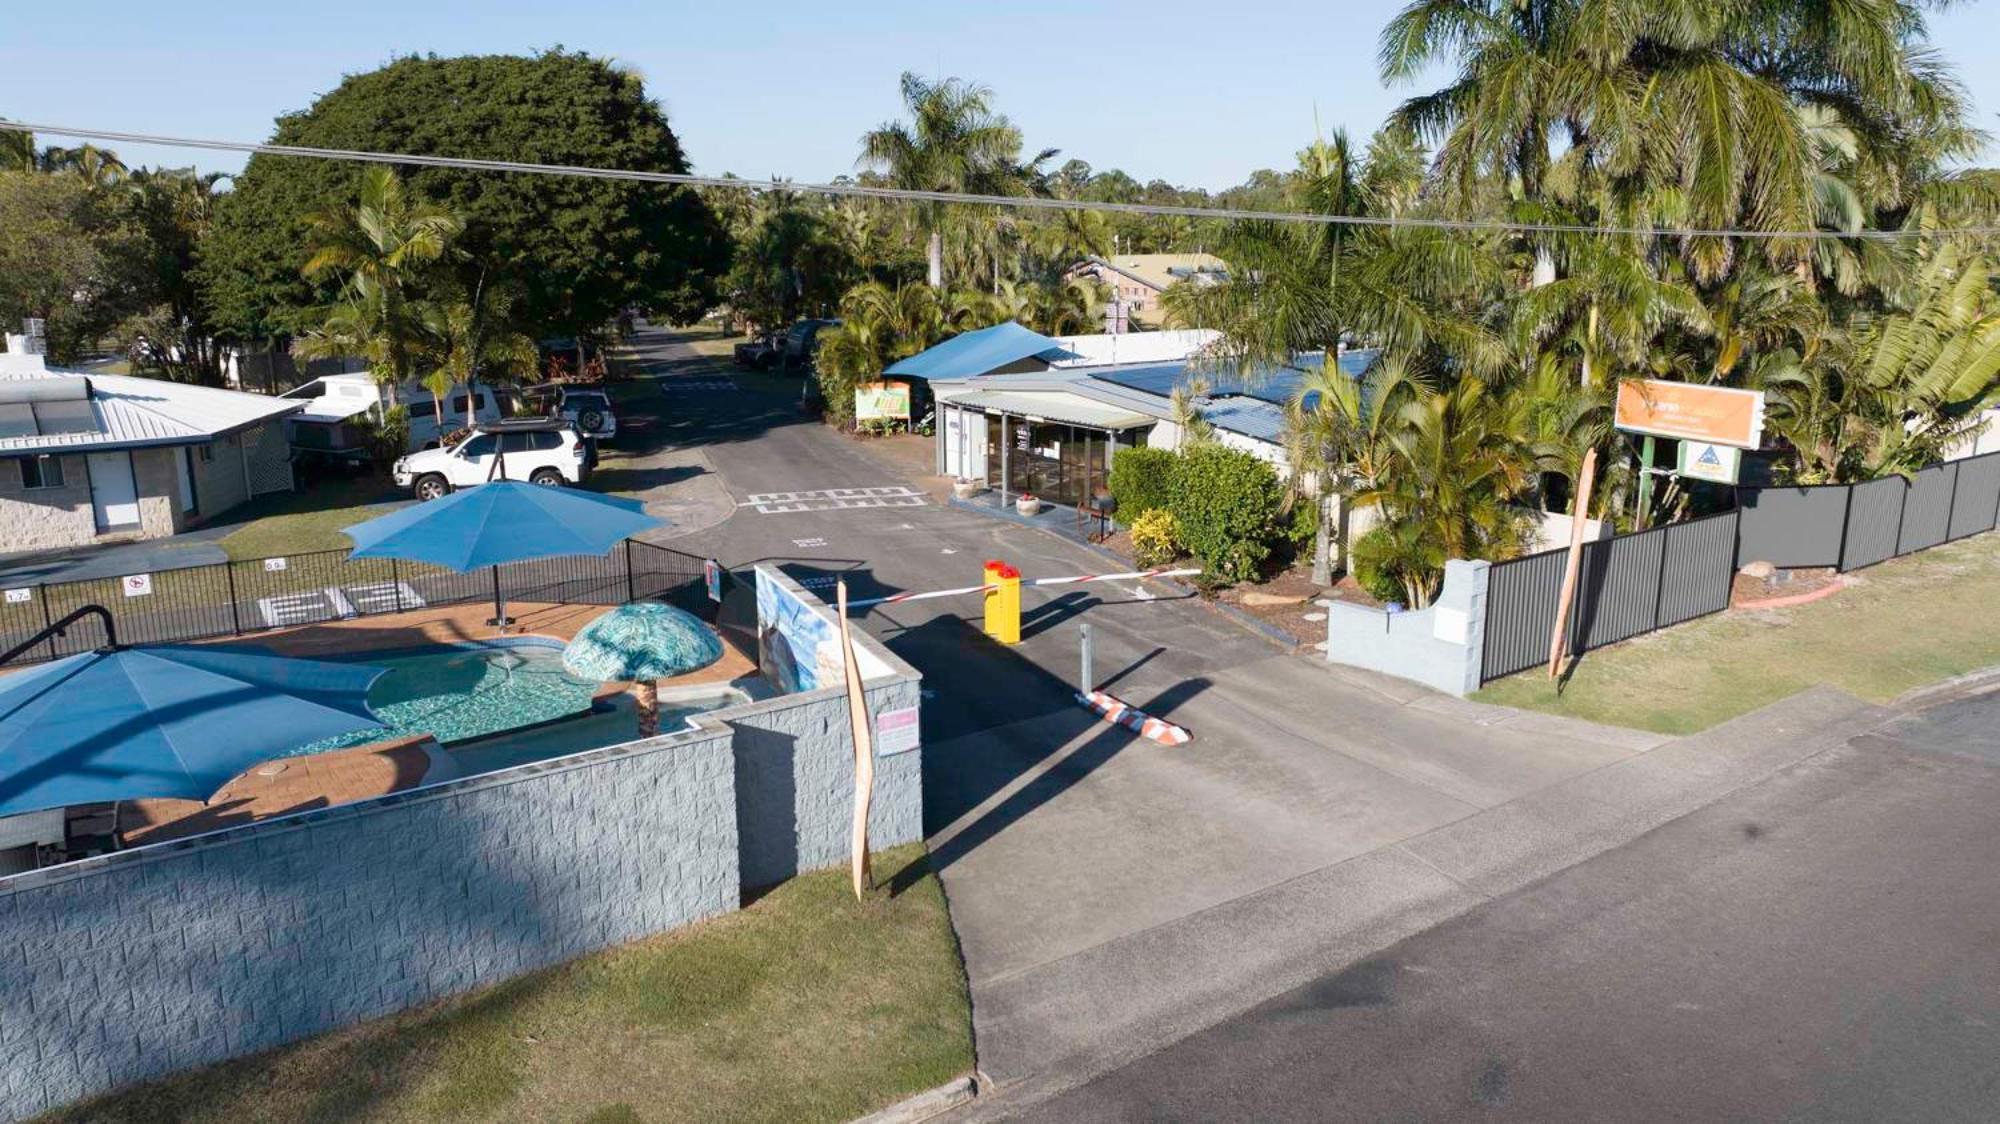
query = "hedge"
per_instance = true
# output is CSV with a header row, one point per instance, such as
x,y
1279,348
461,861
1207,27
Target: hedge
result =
x,y
1227,504
1142,480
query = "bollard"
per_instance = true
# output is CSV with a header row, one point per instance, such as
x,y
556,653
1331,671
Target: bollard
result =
x,y
1003,604
1089,682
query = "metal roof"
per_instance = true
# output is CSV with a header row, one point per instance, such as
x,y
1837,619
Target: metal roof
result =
x,y
1050,405
1251,417
975,353
1106,349
121,412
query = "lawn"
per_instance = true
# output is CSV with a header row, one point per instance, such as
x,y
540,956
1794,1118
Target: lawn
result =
x,y
804,1006
307,520
1903,624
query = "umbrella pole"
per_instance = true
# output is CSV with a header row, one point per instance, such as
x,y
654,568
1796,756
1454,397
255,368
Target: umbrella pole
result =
x,y
500,619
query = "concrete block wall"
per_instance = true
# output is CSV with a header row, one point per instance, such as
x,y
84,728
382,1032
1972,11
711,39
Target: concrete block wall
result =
x,y
137,964
45,518
1441,646
795,768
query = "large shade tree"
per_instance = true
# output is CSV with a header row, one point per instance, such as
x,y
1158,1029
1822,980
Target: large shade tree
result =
x,y
580,250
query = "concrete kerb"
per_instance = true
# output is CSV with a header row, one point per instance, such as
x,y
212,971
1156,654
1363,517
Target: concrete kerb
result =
x,y
1971,683
927,1104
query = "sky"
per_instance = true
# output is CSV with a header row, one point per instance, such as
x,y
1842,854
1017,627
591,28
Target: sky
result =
x,y
1198,94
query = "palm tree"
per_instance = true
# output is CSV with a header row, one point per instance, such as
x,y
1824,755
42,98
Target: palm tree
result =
x,y
1336,434
1704,114
17,151
954,142
1452,465
380,242
96,167
462,345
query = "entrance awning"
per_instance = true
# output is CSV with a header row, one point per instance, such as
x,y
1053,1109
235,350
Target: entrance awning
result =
x,y
1053,406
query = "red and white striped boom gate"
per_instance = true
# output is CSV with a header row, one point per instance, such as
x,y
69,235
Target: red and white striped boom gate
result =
x,y
1076,579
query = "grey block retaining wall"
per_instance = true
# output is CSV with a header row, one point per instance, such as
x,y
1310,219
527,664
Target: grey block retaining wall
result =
x,y
140,963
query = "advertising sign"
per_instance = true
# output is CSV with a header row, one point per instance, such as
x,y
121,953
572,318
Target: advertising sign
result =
x,y
881,401
1705,460
711,575
1714,414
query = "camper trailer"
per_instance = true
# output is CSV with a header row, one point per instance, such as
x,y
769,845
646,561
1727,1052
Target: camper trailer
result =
x,y
327,428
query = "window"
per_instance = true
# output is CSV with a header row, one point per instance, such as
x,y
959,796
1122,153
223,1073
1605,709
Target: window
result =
x,y
480,445
206,453
458,405
516,442
548,439
41,472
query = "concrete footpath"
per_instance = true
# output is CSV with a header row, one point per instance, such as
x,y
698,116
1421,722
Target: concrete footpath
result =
x,y
1157,893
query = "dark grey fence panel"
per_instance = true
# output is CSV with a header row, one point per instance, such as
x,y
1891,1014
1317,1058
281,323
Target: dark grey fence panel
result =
x,y
1791,526
1697,567
1977,504
1618,589
1927,508
1521,600
1874,520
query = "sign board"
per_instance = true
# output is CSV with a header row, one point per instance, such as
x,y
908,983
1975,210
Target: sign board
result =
x,y
711,575
273,565
1719,415
896,732
137,585
880,401
1705,460
20,596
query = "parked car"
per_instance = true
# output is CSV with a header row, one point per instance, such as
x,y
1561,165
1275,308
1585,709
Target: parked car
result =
x,y
759,353
802,342
588,409
544,451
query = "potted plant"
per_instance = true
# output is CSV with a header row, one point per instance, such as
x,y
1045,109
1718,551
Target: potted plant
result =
x,y
965,488
1027,504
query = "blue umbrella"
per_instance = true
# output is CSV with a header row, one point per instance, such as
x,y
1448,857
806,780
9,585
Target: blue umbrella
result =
x,y
504,521
126,723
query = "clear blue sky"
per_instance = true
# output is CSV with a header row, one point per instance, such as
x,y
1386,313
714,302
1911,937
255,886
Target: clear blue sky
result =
x,y
1198,94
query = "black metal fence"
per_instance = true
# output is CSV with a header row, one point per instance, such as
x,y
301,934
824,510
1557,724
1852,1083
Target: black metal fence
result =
x,y
1633,584
1851,526
1626,586
251,595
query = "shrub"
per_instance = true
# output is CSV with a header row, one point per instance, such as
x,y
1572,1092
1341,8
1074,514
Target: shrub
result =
x,y
1142,480
1155,538
1226,503
386,439
1394,562
1302,522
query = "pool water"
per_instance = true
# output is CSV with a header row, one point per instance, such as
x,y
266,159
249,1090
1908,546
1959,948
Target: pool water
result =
x,y
459,694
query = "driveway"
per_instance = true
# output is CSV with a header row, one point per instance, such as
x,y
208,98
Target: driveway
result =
x,y
1112,895
1819,946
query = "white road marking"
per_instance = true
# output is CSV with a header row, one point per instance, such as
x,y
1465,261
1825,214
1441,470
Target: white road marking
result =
x,y
697,384
834,499
807,544
819,581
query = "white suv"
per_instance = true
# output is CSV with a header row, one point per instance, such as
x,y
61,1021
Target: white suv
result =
x,y
538,450
589,410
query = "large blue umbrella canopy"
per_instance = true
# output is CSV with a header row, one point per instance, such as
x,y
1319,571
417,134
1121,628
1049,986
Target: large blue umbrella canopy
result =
x,y
504,521
122,724
641,641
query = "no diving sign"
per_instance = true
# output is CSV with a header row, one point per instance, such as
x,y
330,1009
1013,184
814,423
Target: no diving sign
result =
x,y
137,585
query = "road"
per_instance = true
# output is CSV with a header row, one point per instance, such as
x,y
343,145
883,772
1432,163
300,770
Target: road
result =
x,y
1821,946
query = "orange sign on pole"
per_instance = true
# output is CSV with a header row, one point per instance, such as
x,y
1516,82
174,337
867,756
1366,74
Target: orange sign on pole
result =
x,y
1717,414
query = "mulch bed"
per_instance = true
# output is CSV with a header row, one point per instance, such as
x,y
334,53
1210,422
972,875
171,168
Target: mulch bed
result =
x,y
1746,592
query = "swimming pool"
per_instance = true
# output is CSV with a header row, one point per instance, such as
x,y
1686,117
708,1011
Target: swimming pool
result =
x,y
497,704
464,692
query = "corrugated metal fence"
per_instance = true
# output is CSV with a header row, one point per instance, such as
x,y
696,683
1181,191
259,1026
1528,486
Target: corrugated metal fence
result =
x,y
1639,582
1626,586
250,595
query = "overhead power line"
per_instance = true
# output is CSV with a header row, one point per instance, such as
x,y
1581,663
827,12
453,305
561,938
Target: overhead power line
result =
x,y
910,195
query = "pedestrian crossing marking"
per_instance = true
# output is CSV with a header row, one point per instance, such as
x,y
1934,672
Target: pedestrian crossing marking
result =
x,y
835,499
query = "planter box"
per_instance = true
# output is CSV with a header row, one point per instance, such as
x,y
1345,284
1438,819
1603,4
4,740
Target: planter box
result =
x,y
1028,506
